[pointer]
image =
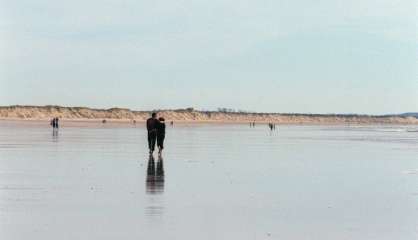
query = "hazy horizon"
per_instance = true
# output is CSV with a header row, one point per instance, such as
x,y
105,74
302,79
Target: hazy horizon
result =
x,y
288,56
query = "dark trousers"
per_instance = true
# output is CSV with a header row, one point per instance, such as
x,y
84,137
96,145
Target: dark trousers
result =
x,y
152,137
160,141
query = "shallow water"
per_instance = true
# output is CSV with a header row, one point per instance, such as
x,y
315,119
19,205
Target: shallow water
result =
x,y
94,181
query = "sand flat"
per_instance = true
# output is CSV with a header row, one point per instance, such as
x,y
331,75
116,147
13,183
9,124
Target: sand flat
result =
x,y
220,181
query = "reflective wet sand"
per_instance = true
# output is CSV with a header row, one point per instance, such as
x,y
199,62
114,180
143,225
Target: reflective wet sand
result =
x,y
95,181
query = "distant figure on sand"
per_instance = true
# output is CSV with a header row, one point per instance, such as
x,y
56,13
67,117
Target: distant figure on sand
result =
x,y
54,122
152,124
160,134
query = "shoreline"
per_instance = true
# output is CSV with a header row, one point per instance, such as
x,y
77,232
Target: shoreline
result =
x,y
73,122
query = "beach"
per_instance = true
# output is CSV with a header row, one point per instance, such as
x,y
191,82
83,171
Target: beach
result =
x,y
220,181
208,120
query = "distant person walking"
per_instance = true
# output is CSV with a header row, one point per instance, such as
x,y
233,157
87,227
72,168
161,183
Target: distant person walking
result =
x,y
54,123
152,124
160,134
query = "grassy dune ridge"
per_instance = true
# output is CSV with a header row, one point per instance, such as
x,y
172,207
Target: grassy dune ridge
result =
x,y
190,115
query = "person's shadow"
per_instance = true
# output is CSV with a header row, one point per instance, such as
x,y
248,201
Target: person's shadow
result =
x,y
155,176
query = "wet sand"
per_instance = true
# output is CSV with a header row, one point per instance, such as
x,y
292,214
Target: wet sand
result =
x,y
214,181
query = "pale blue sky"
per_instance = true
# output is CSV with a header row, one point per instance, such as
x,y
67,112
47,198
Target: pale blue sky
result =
x,y
325,56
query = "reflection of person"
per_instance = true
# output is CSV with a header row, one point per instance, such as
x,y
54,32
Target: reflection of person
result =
x,y
155,176
151,169
152,132
160,134
160,168
55,134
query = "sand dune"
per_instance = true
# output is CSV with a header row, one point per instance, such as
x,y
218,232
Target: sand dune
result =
x,y
189,115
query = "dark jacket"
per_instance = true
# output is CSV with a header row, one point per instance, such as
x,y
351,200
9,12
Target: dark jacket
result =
x,y
160,129
152,124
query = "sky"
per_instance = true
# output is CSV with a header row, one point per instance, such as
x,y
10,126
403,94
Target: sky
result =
x,y
324,56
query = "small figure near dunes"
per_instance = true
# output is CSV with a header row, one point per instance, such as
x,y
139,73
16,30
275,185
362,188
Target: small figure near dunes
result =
x,y
172,123
272,126
54,123
104,121
160,134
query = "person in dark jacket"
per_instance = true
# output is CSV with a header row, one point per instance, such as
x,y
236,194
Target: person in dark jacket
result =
x,y
152,132
54,122
160,134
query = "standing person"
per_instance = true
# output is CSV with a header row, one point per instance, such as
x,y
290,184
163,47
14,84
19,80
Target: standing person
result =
x,y
56,122
160,134
152,123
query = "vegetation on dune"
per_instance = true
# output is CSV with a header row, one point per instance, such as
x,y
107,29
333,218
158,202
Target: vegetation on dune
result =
x,y
190,114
